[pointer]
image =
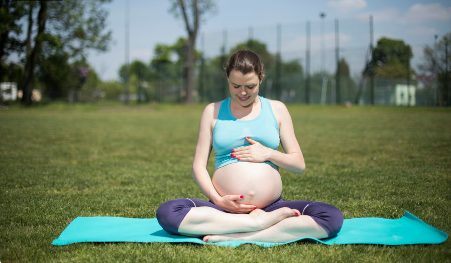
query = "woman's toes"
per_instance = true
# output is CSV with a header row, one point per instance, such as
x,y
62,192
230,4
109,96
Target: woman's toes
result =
x,y
215,238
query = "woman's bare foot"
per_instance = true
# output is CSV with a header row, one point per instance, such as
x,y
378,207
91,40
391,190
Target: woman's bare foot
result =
x,y
225,237
267,219
263,219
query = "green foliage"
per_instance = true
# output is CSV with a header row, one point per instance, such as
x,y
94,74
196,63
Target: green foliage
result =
x,y
111,160
72,28
391,58
10,29
11,72
56,74
343,68
112,89
79,26
435,59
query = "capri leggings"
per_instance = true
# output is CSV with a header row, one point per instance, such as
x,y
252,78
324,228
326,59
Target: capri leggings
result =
x,y
170,214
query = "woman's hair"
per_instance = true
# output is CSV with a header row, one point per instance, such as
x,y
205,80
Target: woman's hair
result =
x,y
245,61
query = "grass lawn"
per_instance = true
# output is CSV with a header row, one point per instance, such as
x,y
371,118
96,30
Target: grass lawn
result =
x,y
59,161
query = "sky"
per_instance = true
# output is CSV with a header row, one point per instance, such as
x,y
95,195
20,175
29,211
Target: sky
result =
x,y
414,21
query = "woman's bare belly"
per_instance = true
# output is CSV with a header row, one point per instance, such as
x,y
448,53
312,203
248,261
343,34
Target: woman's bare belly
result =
x,y
259,183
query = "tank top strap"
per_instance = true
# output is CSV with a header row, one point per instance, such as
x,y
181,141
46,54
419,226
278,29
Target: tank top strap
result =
x,y
268,112
224,110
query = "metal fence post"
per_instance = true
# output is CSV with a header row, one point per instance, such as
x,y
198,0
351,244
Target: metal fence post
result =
x,y
337,58
371,63
307,64
278,64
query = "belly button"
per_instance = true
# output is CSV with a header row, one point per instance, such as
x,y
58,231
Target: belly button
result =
x,y
251,194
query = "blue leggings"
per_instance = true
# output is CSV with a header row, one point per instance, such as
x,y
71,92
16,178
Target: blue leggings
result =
x,y
170,214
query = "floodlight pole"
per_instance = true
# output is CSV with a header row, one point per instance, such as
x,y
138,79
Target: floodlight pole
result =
x,y
127,51
435,71
323,55
278,63
307,64
337,58
371,63
447,88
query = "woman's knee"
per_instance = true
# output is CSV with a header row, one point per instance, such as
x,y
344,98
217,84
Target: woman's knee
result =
x,y
327,216
171,213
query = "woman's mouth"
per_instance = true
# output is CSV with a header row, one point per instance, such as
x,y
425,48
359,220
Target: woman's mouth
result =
x,y
243,99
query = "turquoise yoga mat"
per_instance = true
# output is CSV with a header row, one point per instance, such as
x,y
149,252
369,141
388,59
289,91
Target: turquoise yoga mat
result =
x,y
404,231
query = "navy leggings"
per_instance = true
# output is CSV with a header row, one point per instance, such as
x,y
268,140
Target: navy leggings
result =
x,y
170,214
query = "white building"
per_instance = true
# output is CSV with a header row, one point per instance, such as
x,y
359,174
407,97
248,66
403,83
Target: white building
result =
x,y
404,95
8,91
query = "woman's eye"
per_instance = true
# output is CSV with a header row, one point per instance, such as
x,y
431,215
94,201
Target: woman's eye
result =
x,y
236,87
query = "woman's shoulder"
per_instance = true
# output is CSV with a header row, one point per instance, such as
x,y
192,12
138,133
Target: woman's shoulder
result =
x,y
278,106
279,109
211,111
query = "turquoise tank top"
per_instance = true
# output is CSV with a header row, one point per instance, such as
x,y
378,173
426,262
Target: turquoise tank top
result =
x,y
230,133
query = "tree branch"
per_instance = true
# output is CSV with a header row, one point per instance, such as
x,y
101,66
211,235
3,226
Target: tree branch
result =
x,y
196,17
185,17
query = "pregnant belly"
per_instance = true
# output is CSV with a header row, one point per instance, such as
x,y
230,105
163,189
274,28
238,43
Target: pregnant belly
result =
x,y
259,183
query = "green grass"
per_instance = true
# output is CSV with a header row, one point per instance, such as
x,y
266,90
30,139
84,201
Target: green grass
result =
x,y
58,162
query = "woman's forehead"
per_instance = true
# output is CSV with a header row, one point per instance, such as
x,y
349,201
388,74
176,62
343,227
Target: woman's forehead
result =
x,y
238,77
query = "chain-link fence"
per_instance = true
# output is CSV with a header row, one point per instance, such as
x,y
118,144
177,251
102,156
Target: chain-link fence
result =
x,y
326,61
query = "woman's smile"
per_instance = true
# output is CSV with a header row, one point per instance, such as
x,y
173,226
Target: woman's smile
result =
x,y
243,98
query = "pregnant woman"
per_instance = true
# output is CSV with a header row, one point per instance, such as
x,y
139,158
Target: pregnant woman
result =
x,y
245,191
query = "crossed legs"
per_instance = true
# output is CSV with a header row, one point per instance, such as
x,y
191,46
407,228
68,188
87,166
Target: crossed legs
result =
x,y
281,222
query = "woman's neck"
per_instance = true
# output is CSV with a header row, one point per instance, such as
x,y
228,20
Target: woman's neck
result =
x,y
240,111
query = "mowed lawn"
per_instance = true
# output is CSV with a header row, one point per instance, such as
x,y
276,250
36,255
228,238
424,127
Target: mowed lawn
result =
x,y
59,161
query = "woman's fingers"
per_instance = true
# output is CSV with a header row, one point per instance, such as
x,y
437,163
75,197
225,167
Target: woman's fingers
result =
x,y
251,141
236,197
247,207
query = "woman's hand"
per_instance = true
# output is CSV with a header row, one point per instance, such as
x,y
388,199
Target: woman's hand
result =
x,y
256,152
229,203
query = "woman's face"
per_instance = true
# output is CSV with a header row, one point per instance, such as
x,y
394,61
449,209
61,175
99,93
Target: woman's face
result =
x,y
243,88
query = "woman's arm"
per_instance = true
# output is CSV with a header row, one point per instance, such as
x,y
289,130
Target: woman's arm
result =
x,y
292,160
199,171
203,149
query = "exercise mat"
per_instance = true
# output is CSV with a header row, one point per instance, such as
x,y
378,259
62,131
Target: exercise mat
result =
x,y
407,230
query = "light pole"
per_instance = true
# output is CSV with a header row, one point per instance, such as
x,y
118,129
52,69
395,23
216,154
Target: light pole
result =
x,y
127,52
323,61
435,71
323,57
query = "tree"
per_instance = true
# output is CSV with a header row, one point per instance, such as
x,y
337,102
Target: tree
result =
x,y
436,62
343,68
343,79
139,75
10,29
66,31
191,19
391,59
32,53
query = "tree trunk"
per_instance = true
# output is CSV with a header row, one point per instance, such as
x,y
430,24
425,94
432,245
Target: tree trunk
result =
x,y
28,49
27,85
